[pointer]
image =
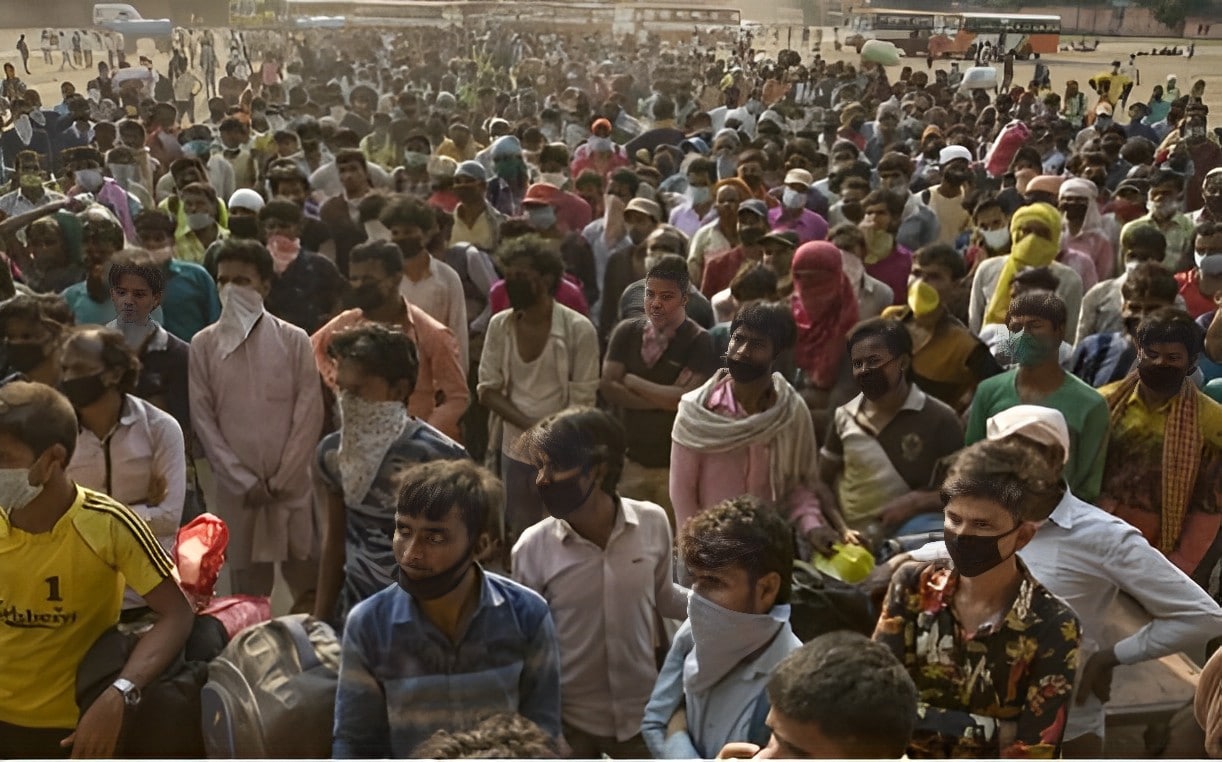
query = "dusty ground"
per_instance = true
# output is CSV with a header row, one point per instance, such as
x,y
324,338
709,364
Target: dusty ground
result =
x,y
1206,64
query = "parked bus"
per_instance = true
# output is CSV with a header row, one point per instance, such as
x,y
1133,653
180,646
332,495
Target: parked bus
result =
x,y
921,33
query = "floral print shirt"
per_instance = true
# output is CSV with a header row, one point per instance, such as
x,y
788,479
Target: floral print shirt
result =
x,y
1002,692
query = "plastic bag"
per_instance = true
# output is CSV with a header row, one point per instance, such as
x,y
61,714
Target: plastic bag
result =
x,y
199,554
880,52
237,612
1012,137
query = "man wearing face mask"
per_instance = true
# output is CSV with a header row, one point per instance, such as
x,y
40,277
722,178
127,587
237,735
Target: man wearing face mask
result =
x,y
599,153
1035,233
883,447
752,227
25,134
697,208
197,143
307,288
1083,225
190,301
375,273
584,560
1103,303
627,265
1199,285
948,361
1165,454
236,150
1104,358
750,414
31,191
886,259
978,705
78,548
946,198
127,449
429,283
30,329
917,225
711,690
202,220
1036,323
83,167
1165,211
538,358
377,372
490,640
475,220
792,213
252,366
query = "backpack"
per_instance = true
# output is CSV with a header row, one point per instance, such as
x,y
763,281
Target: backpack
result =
x,y
271,692
820,604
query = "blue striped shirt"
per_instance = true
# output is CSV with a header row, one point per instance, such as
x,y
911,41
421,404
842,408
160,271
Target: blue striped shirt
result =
x,y
401,679
1103,358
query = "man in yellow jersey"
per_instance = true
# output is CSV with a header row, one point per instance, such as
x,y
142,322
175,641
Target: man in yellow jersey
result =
x,y
66,554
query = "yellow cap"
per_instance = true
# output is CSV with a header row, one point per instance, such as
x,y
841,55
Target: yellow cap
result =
x,y
848,563
923,298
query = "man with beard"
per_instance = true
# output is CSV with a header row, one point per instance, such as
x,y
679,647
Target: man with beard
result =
x,y
450,643
307,287
375,272
252,366
428,282
1164,458
538,358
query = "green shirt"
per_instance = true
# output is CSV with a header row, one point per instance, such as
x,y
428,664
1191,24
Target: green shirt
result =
x,y
1085,413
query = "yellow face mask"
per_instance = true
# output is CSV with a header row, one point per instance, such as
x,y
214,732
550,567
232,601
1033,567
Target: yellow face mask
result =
x,y
923,298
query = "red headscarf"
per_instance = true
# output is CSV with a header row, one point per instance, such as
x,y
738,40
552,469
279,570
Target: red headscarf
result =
x,y
824,309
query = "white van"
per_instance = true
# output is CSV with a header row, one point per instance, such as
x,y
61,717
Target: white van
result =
x,y
103,12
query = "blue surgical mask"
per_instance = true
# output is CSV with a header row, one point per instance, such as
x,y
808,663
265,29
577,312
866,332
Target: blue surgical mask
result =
x,y
1208,262
698,194
198,148
541,217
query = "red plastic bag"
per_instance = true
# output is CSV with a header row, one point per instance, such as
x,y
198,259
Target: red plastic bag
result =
x,y
1012,137
199,553
237,612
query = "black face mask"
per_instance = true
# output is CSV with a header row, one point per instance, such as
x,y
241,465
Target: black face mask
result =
x,y
23,357
411,247
366,297
745,372
244,227
84,391
874,382
563,497
441,583
975,554
958,176
1161,379
750,236
1131,324
521,294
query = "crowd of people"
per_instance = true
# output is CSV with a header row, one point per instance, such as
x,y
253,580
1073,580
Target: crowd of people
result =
x,y
539,365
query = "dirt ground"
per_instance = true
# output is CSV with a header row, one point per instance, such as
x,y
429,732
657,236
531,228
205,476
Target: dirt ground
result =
x,y
1206,64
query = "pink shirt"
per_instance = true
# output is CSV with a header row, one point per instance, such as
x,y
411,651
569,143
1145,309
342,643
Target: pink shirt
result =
x,y
1098,248
1082,265
700,480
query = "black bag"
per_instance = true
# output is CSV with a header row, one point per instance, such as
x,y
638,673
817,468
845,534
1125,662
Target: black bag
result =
x,y
271,692
165,724
821,604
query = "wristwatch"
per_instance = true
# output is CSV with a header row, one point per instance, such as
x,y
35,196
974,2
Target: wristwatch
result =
x,y
131,694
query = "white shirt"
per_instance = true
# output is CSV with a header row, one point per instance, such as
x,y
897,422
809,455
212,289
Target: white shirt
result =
x,y
1085,556
440,294
605,603
147,442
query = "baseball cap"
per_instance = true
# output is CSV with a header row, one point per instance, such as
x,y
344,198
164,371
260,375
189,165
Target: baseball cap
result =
x,y
951,153
472,169
787,238
798,177
755,206
645,206
1042,424
539,194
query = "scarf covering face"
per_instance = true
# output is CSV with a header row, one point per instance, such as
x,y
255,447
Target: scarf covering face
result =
x,y
824,311
785,427
1031,251
1182,443
1078,187
241,308
367,431
723,638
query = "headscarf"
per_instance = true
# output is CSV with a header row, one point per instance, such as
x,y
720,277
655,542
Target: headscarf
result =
x,y
1076,186
1207,706
1182,443
824,312
1023,254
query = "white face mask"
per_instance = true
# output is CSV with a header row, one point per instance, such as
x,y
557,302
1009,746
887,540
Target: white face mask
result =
x,y
1209,264
24,128
793,199
723,638
367,431
16,492
996,239
241,308
89,179
1163,209
201,220
699,194
162,255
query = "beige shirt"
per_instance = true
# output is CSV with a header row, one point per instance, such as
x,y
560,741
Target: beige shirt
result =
x,y
440,294
605,604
